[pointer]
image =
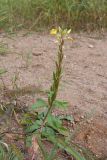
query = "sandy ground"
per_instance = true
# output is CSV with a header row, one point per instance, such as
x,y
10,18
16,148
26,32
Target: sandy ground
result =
x,y
84,84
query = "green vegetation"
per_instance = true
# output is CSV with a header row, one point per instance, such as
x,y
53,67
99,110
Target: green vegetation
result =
x,y
3,49
34,14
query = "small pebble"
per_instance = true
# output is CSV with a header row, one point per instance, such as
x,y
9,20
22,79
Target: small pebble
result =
x,y
90,46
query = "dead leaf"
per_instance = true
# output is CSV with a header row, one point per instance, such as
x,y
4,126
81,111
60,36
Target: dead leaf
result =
x,y
35,144
33,150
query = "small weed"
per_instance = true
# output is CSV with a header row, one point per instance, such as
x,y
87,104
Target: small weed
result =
x,y
27,59
3,49
14,81
2,71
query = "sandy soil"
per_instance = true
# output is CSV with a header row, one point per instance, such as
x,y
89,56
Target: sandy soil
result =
x,y
84,84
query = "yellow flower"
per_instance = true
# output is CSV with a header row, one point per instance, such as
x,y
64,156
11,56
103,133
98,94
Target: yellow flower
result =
x,y
53,31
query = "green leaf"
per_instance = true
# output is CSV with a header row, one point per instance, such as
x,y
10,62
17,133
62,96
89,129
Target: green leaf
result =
x,y
2,153
60,104
28,141
40,103
70,150
34,127
66,117
41,115
53,153
56,124
47,131
63,145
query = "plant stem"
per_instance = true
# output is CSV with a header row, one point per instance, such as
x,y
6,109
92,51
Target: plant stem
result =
x,y
56,78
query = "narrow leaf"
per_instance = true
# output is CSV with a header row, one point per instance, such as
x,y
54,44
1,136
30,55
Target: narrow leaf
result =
x,y
63,145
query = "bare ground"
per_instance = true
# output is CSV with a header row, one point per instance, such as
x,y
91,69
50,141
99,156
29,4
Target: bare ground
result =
x,y
84,84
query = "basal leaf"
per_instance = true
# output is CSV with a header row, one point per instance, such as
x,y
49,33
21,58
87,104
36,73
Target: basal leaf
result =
x,y
56,124
63,145
47,131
